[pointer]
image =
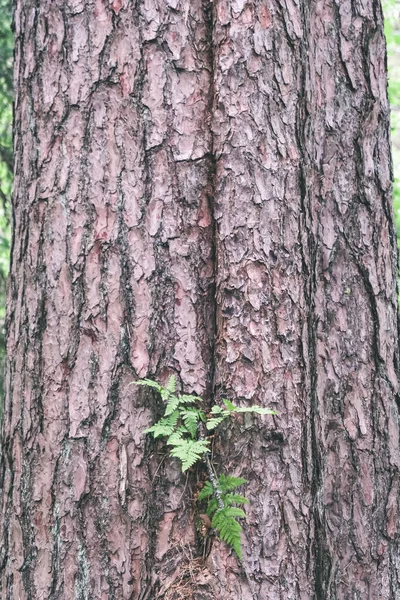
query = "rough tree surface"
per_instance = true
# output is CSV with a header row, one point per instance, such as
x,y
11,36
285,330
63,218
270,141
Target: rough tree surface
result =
x,y
202,188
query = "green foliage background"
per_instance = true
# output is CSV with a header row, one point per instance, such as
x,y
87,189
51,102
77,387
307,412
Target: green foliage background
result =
x,y
392,31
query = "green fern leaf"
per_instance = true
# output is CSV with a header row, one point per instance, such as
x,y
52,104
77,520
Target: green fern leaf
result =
x,y
175,438
202,416
169,390
172,404
188,399
165,426
228,528
190,417
212,507
228,483
233,511
189,452
160,429
148,383
259,410
217,410
230,499
206,492
171,385
214,422
229,405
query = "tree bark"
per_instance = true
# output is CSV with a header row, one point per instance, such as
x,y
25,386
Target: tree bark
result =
x,y
201,189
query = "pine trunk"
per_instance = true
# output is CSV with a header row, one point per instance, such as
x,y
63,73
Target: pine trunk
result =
x,y
201,189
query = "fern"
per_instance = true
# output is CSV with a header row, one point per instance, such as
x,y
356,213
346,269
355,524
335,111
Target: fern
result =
x,y
171,385
212,507
224,521
231,499
165,426
206,492
172,404
258,410
191,418
213,422
228,483
218,414
189,451
182,427
149,383
185,399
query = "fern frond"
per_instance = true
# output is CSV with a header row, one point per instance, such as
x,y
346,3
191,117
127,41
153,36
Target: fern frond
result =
x,y
169,389
230,499
175,438
190,417
213,422
188,399
148,383
172,404
228,528
212,507
171,385
165,426
161,428
258,410
229,405
219,414
233,511
216,410
228,483
206,492
189,452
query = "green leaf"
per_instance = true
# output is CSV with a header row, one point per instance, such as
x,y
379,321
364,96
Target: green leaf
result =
x,y
214,422
229,405
190,451
191,418
216,410
169,390
187,399
230,499
233,511
148,383
228,528
206,492
165,426
212,507
229,483
172,404
175,438
171,385
259,410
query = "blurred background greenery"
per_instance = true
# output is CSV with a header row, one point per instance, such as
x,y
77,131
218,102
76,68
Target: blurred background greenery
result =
x,y
392,31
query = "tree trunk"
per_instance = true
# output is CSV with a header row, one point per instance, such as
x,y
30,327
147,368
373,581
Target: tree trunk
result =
x,y
201,189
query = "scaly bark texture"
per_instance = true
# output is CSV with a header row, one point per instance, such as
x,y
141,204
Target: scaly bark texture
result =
x,y
112,279
202,188
306,292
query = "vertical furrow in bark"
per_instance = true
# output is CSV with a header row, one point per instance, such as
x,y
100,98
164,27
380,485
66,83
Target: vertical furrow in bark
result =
x,y
355,320
111,279
260,294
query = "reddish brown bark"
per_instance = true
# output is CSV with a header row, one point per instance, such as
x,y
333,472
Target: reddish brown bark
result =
x,y
201,189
